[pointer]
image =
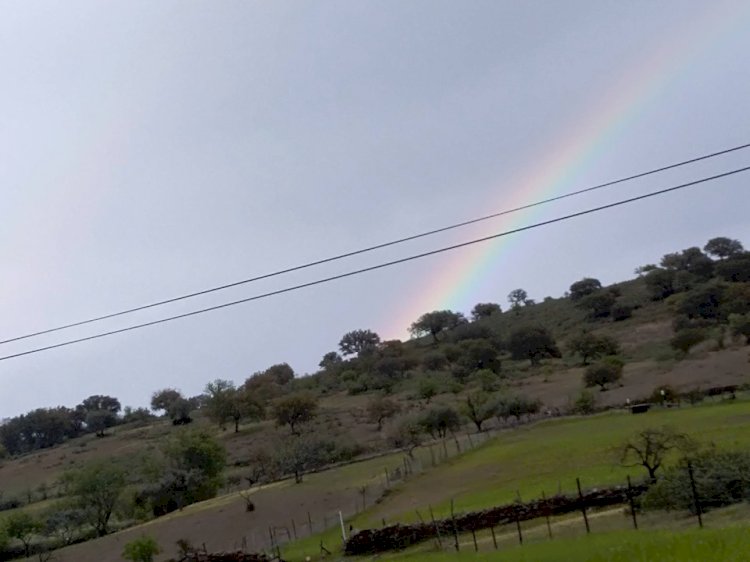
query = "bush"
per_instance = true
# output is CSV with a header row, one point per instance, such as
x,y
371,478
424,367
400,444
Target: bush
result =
x,y
669,394
621,312
585,404
440,420
141,550
721,478
605,372
685,340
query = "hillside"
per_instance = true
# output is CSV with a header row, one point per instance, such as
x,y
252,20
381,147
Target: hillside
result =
x,y
672,336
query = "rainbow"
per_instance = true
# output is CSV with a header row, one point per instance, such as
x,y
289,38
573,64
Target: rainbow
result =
x,y
569,157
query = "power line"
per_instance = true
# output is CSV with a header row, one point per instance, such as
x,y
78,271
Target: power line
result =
x,y
377,246
383,265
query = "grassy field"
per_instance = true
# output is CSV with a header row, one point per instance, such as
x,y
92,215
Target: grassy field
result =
x,y
548,457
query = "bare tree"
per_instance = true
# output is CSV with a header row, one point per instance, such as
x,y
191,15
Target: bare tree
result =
x,y
650,446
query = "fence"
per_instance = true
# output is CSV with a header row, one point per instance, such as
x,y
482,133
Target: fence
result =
x,y
272,538
446,532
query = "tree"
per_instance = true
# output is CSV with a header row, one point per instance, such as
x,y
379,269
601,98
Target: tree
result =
x,y
603,373
584,287
532,343
648,448
97,488
479,407
642,270
22,526
428,389
381,408
434,360
198,454
723,247
330,359
517,297
735,269
141,550
99,421
406,434
280,373
591,346
703,302
220,394
692,260
242,405
599,304
358,341
485,310
440,420
479,354
164,399
436,322
294,410
660,283
100,402
297,455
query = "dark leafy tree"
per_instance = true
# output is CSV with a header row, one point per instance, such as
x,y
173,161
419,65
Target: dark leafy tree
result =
x,y
163,400
604,372
391,348
440,420
735,299
479,354
704,302
591,346
358,341
598,304
584,287
735,269
295,410
723,247
533,343
649,447
330,360
436,322
691,260
660,283
485,310
220,394
99,421
642,270
281,373
517,298
100,402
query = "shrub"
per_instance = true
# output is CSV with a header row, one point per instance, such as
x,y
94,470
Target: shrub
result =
x,y
440,420
621,312
434,361
721,478
684,340
141,550
585,404
605,372
664,393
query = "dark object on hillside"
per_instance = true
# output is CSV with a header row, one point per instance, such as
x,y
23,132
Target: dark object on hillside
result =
x,y
397,537
640,408
182,421
721,390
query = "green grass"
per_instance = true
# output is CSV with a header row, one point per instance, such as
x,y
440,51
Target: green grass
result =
x,y
696,545
549,456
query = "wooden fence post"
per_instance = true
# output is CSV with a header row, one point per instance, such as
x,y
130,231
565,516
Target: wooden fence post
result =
x,y
546,514
455,529
583,505
494,538
309,522
437,529
696,501
632,504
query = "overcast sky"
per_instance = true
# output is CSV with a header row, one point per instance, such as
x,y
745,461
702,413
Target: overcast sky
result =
x,y
149,149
